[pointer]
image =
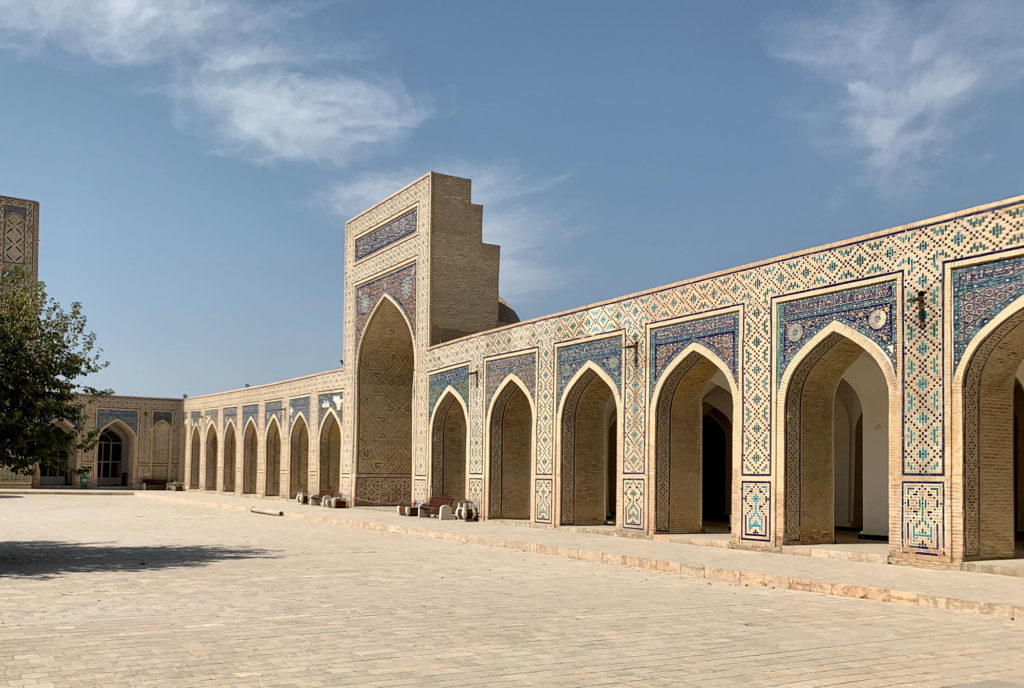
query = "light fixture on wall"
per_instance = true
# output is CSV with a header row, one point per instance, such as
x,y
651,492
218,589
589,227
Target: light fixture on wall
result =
x,y
635,346
476,377
919,302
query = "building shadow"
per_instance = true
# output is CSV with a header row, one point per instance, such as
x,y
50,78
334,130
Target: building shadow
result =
x,y
48,558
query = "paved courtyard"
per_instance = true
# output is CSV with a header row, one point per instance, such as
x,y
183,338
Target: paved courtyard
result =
x,y
125,591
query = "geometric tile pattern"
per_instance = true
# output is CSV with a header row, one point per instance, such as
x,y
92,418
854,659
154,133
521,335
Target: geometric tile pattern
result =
x,y
251,411
273,409
15,234
385,235
757,511
979,293
400,285
329,402
633,503
542,500
458,378
297,406
129,418
230,415
868,310
719,333
523,366
19,235
606,353
923,506
211,417
164,416
196,417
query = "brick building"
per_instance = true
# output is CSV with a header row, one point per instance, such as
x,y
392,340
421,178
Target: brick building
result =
x,y
869,388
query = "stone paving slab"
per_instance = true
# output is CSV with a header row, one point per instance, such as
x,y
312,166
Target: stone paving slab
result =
x,y
142,593
943,589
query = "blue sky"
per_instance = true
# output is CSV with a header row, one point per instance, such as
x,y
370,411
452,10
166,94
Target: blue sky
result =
x,y
196,159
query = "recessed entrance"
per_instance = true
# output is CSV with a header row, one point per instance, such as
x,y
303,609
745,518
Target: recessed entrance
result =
x,y
109,458
589,452
511,453
448,449
384,434
298,465
272,479
837,444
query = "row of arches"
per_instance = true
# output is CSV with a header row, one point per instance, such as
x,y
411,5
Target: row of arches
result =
x,y
837,410
838,442
217,464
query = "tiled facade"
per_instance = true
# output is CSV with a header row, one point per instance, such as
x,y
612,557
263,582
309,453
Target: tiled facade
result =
x,y
920,300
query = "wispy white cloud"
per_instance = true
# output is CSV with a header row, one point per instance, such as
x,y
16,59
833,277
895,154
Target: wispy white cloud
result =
x,y
518,214
229,67
903,73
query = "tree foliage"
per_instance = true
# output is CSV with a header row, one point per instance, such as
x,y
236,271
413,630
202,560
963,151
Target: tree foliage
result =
x,y
44,351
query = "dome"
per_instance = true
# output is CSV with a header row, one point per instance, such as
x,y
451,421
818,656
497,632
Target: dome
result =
x,y
506,314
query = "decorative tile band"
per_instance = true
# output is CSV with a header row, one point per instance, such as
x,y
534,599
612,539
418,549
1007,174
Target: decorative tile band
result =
x,y
15,230
211,417
633,513
922,516
196,417
297,406
230,414
524,367
718,333
163,416
330,402
273,409
870,310
251,411
980,292
129,418
385,235
458,378
542,500
605,353
400,285
757,510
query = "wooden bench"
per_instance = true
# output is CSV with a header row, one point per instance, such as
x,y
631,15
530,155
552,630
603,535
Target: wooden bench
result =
x,y
432,507
315,499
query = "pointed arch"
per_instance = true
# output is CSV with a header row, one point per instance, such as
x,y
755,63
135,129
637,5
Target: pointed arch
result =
x,y
590,442
511,433
210,455
384,301
806,414
195,448
677,454
230,447
160,450
384,388
327,414
449,438
272,477
298,457
115,454
250,457
330,454
987,447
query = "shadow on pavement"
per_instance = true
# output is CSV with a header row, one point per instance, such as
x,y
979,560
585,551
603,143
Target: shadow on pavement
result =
x,y
47,558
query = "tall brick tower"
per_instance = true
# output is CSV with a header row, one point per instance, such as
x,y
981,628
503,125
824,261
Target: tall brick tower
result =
x,y
19,235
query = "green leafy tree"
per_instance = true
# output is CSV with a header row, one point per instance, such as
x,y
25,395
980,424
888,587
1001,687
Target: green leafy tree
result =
x,y
44,351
